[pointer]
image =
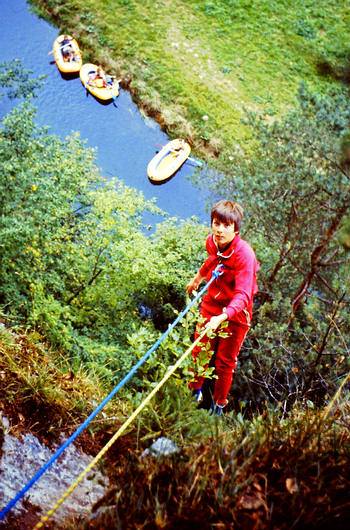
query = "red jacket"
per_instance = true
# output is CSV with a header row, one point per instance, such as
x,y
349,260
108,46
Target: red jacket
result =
x,y
235,288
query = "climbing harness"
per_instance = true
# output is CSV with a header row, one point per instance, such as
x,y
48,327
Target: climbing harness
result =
x,y
119,432
217,272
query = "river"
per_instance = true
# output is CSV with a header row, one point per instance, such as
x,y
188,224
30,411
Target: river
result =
x,y
125,139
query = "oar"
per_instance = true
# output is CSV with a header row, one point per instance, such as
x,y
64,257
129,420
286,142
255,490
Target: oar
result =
x,y
194,162
62,46
114,97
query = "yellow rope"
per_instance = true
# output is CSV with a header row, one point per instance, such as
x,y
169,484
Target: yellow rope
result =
x,y
315,441
120,431
335,397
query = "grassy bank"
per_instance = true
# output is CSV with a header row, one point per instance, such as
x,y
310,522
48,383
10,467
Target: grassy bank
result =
x,y
270,470
264,472
197,65
41,394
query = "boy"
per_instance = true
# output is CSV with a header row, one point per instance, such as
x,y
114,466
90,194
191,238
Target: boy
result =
x,y
229,297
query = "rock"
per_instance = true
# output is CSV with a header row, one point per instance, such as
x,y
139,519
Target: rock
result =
x,y
161,447
22,458
4,422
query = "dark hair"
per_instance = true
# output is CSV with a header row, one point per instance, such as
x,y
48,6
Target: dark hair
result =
x,y
227,212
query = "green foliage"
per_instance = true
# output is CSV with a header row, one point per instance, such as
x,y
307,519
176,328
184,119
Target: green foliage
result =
x,y
76,262
173,413
178,251
344,234
296,194
18,81
42,181
345,149
39,392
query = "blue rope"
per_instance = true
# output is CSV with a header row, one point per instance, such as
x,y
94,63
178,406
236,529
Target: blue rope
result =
x,y
128,376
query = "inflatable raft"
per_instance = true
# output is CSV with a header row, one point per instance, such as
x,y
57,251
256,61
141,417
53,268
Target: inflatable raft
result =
x,y
169,159
99,84
67,54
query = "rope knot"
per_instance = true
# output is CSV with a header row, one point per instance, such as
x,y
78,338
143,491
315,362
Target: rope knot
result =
x,y
218,270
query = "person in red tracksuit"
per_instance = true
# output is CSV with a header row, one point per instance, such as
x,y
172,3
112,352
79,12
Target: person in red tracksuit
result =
x,y
228,298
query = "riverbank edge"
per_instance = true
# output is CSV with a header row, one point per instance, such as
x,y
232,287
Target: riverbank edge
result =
x,y
219,151
212,150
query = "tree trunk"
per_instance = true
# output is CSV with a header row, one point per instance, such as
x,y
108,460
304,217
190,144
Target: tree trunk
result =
x,y
317,253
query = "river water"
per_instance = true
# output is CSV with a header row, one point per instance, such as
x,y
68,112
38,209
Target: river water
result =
x,y
125,139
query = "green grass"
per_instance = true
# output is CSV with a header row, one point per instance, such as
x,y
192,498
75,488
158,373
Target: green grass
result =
x,y
237,468
41,393
283,471
186,59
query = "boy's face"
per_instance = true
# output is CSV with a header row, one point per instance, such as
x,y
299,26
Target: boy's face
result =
x,y
223,233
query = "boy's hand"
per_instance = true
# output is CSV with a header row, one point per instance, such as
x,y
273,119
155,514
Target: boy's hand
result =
x,y
216,321
193,284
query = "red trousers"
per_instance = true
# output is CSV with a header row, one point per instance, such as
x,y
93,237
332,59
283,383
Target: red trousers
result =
x,y
225,351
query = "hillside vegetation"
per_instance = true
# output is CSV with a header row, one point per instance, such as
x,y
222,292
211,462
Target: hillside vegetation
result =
x,y
271,470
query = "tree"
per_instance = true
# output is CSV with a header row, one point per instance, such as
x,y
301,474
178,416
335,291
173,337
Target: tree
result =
x,y
17,81
296,191
76,262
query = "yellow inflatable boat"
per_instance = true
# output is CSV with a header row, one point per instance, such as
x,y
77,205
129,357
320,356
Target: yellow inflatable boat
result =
x,y
169,159
101,85
67,54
